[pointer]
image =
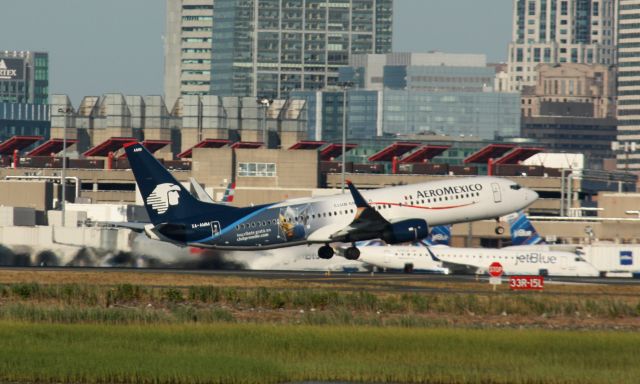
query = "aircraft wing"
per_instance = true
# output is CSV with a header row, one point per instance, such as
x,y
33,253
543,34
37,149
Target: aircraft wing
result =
x,y
367,224
134,226
456,267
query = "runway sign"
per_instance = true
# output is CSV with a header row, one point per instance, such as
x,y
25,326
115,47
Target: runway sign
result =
x,y
526,283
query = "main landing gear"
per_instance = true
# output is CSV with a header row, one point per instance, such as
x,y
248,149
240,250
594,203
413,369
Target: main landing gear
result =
x,y
325,252
352,253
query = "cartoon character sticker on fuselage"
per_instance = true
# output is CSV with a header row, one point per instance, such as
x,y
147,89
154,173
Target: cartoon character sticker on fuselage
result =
x,y
292,221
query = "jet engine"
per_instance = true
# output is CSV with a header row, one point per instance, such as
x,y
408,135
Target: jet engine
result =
x,y
405,231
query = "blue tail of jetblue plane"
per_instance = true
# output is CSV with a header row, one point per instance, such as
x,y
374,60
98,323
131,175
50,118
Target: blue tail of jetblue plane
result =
x,y
523,232
440,235
165,199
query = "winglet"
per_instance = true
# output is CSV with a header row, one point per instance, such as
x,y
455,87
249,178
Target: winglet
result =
x,y
357,197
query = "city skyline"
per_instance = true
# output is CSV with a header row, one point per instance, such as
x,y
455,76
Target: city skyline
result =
x,y
97,47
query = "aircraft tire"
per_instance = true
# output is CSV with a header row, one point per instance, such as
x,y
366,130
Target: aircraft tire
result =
x,y
325,252
499,230
352,253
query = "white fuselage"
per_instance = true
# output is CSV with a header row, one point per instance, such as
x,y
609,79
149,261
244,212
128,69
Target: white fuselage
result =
x,y
437,202
514,261
400,257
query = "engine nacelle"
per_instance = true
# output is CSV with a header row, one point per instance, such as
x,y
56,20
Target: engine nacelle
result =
x,y
405,231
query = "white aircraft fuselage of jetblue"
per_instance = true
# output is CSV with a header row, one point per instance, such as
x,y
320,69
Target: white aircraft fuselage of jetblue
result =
x,y
516,260
393,214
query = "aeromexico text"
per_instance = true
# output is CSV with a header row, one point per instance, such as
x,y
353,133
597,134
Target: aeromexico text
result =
x,y
450,190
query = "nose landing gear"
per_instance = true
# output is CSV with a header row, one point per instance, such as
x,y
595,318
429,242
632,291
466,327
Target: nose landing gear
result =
x,y
499,228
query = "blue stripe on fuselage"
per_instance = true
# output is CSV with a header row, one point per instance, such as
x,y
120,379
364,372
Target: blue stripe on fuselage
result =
x,y
231,226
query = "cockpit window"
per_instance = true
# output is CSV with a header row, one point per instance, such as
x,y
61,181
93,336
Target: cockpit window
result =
x,y
515,186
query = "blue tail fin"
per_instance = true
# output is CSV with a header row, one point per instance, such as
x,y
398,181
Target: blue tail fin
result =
x,y
165,199
440,235
523,232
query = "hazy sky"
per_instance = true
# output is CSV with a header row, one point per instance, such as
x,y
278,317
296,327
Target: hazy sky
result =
x,y
101,46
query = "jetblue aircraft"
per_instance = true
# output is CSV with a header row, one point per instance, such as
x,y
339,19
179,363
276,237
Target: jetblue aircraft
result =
x,y
394,214
524,259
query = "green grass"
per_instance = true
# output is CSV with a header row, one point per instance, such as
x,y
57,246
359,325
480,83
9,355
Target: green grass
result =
x,y
249,353
79,297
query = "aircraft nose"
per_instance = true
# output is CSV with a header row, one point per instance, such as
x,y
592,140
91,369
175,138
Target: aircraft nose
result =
x,y
531,195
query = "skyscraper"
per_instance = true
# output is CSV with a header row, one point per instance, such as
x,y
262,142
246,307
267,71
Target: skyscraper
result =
x,y
270,47
24,77
559,31
628,106
187,48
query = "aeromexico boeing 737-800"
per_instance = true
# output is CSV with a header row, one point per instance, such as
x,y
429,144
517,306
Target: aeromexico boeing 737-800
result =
x,y
393,214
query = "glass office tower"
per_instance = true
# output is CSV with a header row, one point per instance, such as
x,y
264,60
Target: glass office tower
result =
x,y
24,77
268,48
628,102
187,49
559,31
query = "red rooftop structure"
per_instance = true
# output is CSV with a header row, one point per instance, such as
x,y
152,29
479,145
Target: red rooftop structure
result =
x,y
425,153
518,155
206,143
247,144
50,146
394,150
152,146
308,144
491,151
332,151
110,145
17,143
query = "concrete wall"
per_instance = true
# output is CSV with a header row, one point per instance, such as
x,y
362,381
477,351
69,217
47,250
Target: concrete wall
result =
x,y
33,194
616,204
110,193
294,169
212,166
18,216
